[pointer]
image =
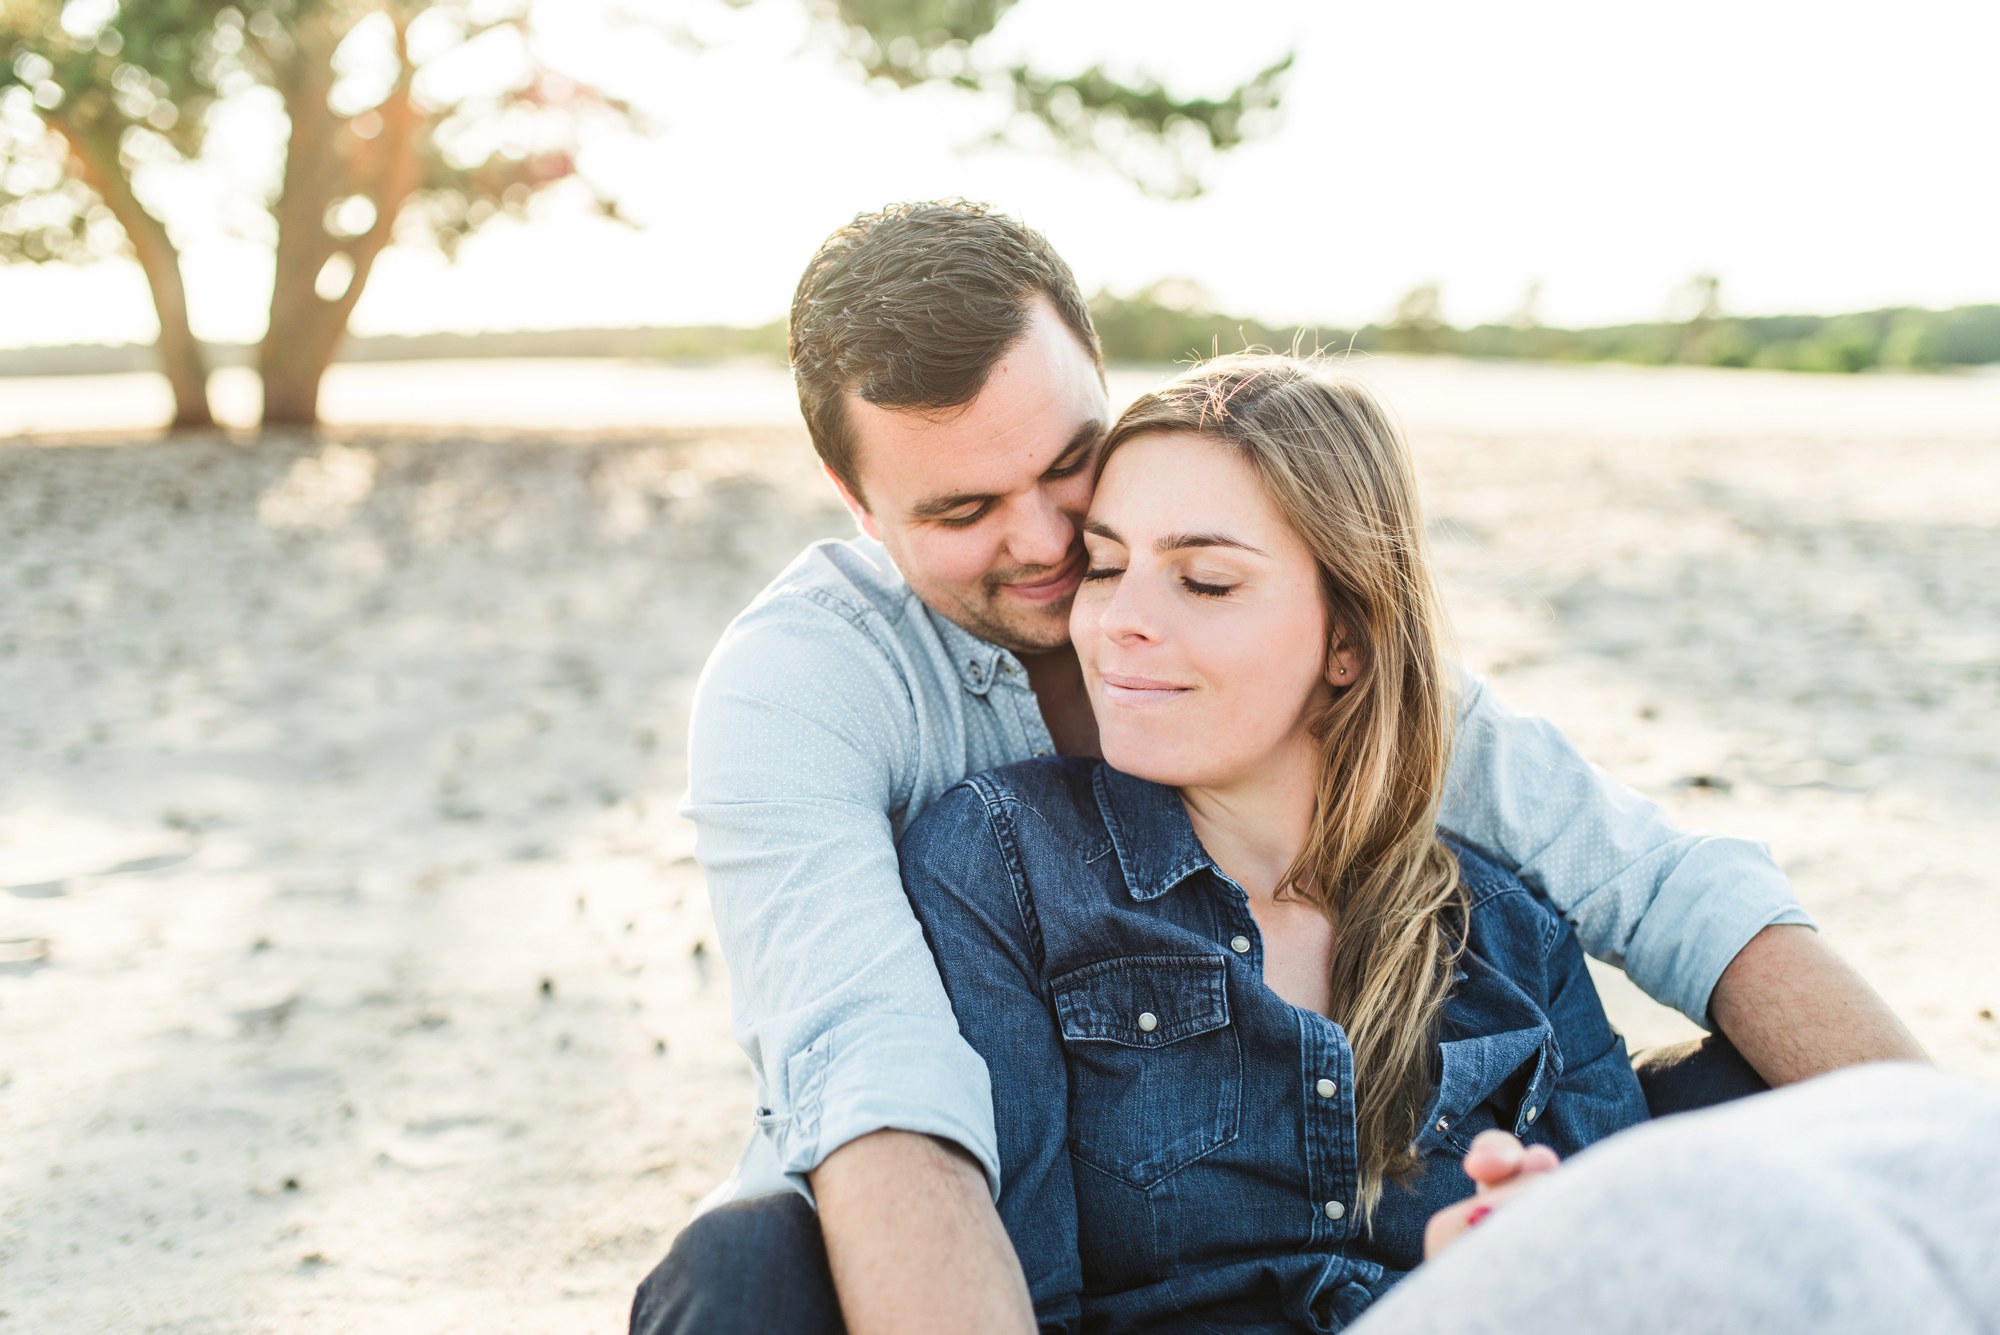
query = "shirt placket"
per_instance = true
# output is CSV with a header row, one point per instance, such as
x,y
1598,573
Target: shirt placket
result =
x,y
1011,682
1326,1096
1326,1089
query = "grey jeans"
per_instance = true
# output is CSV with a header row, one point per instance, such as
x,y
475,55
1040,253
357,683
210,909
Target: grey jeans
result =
x,y
1864,1201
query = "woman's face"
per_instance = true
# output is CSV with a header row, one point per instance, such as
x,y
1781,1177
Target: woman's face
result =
x,y
1199,623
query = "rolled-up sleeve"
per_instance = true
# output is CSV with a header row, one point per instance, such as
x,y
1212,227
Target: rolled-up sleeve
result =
x,y
797,763
1670,908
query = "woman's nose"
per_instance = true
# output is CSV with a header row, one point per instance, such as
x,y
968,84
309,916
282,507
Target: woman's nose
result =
x,y
1125,614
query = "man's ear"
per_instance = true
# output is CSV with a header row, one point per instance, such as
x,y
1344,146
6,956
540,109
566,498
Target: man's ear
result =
x,y
853,504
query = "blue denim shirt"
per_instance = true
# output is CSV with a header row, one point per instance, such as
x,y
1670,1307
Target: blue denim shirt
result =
x,y
838,707
1177,1142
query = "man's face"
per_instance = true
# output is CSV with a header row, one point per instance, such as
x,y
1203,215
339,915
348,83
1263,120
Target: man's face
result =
x,y
980,506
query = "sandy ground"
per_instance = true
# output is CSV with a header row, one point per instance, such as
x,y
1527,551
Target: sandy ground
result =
x,y
354,974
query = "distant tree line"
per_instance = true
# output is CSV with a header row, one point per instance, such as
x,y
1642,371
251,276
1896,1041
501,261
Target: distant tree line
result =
x,y
1163,323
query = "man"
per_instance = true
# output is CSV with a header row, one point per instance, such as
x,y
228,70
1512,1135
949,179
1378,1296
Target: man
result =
x,y
951,381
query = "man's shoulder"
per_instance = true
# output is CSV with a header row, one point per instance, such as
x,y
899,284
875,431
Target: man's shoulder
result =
x,y
850,577
834,631
843,594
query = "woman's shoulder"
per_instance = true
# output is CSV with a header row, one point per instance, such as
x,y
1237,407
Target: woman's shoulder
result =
x,y
1504,912
1058,791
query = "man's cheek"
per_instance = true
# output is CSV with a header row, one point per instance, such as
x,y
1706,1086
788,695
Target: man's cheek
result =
x,y
955,565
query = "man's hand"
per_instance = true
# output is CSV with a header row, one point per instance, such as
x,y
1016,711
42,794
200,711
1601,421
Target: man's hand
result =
x,y
1503,1168
914,1242
1794,1009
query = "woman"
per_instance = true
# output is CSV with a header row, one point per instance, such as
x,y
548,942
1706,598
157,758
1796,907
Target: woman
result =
x,y
1243,1008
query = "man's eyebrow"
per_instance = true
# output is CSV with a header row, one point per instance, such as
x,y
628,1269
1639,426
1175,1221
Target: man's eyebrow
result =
x,y
936,507
1173,542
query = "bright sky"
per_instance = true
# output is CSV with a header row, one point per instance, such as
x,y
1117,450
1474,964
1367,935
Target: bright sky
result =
x,y
1817,156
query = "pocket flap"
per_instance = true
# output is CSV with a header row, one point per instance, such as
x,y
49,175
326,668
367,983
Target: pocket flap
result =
x,y
1143,1001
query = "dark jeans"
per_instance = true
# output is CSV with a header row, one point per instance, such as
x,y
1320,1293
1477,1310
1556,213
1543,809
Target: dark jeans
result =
x,y
758,1267
754,1267
1700,1073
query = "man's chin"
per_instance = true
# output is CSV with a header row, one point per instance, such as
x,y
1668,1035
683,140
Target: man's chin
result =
x,y
1039,630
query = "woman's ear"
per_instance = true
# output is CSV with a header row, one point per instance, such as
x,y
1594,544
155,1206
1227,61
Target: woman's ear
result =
x,y
1343,664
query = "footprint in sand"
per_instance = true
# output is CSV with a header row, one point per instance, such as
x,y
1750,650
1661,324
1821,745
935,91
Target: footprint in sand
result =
x,y
23,954
40,890
442,1142
58,888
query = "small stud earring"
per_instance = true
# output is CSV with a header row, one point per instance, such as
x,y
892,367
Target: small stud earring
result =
x,y
1343,672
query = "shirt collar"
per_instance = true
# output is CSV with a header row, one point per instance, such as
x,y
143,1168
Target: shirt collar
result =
x,y
977,660
1149,827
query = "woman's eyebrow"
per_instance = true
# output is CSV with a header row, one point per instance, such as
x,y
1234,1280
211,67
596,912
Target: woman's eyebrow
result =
x,y
1173,542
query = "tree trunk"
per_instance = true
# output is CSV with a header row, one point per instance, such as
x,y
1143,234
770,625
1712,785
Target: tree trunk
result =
x,y
325,162
180,355
291,368
96,164
293,356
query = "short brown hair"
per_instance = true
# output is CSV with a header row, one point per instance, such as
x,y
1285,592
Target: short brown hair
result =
x,y
912,306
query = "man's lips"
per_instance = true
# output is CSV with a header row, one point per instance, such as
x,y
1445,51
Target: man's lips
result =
x,y
1123,690
1057,584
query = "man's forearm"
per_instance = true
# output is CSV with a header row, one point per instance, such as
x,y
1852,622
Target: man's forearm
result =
x,y
914,1242
1795,1009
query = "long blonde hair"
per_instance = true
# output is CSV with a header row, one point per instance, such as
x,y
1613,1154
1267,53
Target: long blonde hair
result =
x,y
1340,472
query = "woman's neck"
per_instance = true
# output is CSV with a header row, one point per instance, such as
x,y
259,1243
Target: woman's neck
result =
x,y
1255,827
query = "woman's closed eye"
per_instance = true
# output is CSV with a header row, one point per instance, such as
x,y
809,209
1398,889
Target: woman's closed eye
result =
x,y
1206,590
1201,588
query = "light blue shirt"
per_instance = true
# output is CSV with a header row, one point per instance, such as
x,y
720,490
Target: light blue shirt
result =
x,y
838,706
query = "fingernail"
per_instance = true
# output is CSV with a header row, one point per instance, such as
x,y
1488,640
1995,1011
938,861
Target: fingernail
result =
x,y
1478,1213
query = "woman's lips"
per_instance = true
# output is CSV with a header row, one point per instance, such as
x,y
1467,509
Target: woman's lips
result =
x,y
1138,691
1060,584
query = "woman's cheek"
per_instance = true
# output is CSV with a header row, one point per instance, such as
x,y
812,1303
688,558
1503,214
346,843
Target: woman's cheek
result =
x,y
1083,618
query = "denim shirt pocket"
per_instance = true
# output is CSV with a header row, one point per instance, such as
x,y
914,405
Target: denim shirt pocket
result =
x,y
1156,1068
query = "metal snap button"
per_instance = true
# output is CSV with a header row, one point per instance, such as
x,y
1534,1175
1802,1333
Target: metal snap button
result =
x,y
1334,1209
1327,1089
1148,1022
1240,944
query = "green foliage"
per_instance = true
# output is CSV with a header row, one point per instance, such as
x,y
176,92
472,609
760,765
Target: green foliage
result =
x,y
716,343
1167,322
134,83
1160,141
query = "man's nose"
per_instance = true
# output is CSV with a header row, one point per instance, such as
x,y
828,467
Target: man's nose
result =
x,y
1043,532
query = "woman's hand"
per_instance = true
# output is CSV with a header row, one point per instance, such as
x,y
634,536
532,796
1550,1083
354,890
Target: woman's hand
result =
x,y
1503,1167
